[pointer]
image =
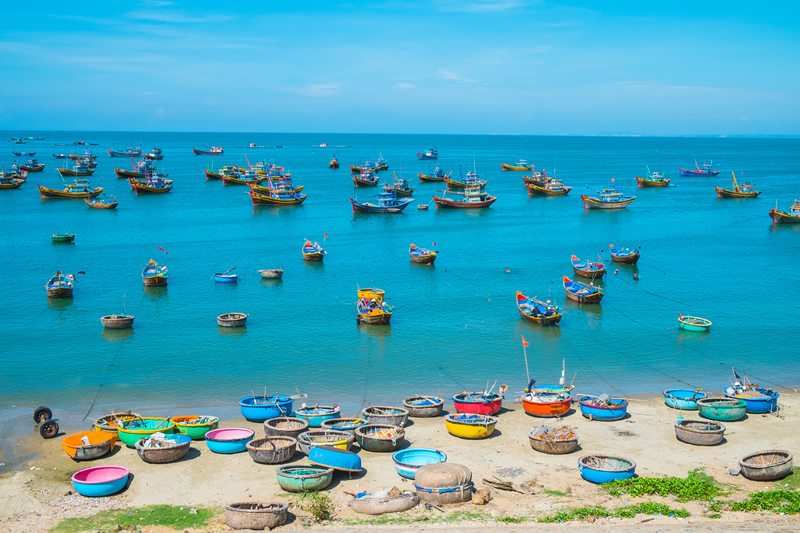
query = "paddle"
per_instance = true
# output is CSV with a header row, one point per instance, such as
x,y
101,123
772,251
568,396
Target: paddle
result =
x,y
227,271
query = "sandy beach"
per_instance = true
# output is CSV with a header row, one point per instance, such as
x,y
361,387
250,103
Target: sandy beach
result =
x,y
38,494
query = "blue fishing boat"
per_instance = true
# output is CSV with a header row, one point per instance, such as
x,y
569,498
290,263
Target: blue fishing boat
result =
x,y
154,274
603,408
313,252
581,293
706,170
537,311
430,153
261,408
436,174
684,399
605,468
421,255
623,255
758,400
385,202
587,269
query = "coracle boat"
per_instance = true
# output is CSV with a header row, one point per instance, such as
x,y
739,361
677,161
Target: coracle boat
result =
x,y
327,437
100,480
130,431
444,483
60,286
317,414
110,423
79,189
154,155
225,277
430,153
10,181
371,292
32,165
623,255
129,152
556,441
214,150
605,468
547,405
117,321
769,465
195,426
400,186
435,175
480,403
261,408
271,273
63,238
537,311
366,179
653,179
683,399
608,198
581,293
334,163
228,440
421,255
699,432
154,274
255,515
272,450
277,197
385,202
408,461
603,408
380,437
722,409
386,415
586,268
470,426
744,190
285,426
102,203
304,478
758,400
159,450
89,445
706,170
470,181
693,323
232,320
423,406
522,164
385,501
153,184
551,187
373,311
348,425
313,252
469,199
80,169
778,217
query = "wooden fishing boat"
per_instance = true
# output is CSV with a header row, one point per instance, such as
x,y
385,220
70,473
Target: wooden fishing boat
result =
x,y
605,468
373,311
743,190
546,405
408,461
366,179
334,163
537,311
481,403
722,409
470,181
444,483
430,153
212,176
551,187
154,155
154,184
304,478
581,293
272,273
421,255
313,252
699,432
423,406
232,320
79,189
468,199
536,178
435,175
623,255
57,156
603,408
248,177
10,181
154,275
470,426
522,164
366,167
32,165
214,150
706,170
117,321
100,203
586,268
778,217
129,152
87,155
256,515
693,323
609,198
400,187
683,399
89,445
138,171
285,426
381,163
758,400
63,237
380,437
348,425
60,285
109,423
385,202
769,465
653,179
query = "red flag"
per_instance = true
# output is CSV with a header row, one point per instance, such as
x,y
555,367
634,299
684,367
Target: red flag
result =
x,y
434,243
326,235
163,250
524,342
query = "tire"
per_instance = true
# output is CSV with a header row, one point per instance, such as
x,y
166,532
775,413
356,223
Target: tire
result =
x,y
48,429
41,414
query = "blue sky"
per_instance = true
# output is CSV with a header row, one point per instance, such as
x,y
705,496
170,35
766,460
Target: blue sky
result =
x,y
441,66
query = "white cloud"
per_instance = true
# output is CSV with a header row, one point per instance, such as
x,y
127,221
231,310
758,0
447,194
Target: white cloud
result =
x,y
321,89
404,85
175,17
450,75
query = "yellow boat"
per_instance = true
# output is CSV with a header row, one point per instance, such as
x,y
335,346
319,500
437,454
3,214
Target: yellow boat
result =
x,y
370,293
470,426
743,190
89,444
519,165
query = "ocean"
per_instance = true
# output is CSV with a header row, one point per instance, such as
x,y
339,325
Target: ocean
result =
x,y
455,326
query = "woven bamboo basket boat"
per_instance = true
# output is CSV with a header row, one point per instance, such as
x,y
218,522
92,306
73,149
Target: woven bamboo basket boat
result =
x,y
109,422
390,416
699,432
380,437
390,504
348,425
327,437
444,483
165,454
285,426
423,406
768,465
541,443
255,515
272,450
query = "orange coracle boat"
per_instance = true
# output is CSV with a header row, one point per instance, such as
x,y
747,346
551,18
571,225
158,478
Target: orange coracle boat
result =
x,y
546,404
89,444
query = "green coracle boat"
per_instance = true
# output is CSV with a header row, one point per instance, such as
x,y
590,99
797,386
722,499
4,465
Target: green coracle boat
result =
x,y
693,323
66,237
722,409
131,431
195,427
304,478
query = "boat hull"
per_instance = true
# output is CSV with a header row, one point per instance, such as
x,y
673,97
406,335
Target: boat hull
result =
x,y
546,409
727,193
591,274
481,428
454,184
693,323
155,281
37,168
54,194
506,167
74,173
365,183
195,151
626,259
379,317
423,178
683,399
117,321
60,292
445,203
581,298
685,172
779,217
426,259
536,190
593,203
487,406
313,256
644,182
304,478
723,410
359,207
100,443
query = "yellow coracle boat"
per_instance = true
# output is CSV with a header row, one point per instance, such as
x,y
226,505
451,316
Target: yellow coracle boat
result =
x,y
470,426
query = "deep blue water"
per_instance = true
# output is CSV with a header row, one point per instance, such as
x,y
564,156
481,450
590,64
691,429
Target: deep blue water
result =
x,y
455,326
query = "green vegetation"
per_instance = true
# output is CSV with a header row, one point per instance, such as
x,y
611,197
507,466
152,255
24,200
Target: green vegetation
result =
x,y
790,482
553,492
696,486
318,504
776,501
179,518
629,511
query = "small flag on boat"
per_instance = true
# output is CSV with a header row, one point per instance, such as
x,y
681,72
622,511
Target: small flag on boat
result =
x,y
163,250
434,243
326,235
524,342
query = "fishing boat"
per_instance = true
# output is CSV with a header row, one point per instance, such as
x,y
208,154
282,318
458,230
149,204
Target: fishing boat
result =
x,y
693,323
743,190
547,405
485,402
87,155
214,150
226,277
32,165
248,177
60,285
153,184
722,409
385,202
471,180
312,252
80,169
373,311
334,163
155,154
768,465
537,311
683,399
430,153
778,217
63,237
603,408
400,186
381,163
699,432
706,170
80,188
421,255
10,181
89,445
522,164
469,199
623,255
758,400
276,196
581,293
366,179
59,156
605,468
586,268
102,203
227,170
24,154
536,178
154,274
551,187
609,198
470,426
272,273
653,179
129,152
367,166
435,175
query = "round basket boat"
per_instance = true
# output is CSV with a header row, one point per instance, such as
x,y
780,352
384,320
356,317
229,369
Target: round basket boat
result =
x,y
408,461
722,409
324,437
232,320
89,444
614,409
757,400
546,404
130,431
423,406
117,321
304,478
605,468
229,440
272,450
699,432
261,408
767,465
447,495
380,437
316,415
369,504
541,443
684,399
470,426
348,425
478,403
167,452
195,426
109,423
389,416
335,458
256,515
285,426
100,480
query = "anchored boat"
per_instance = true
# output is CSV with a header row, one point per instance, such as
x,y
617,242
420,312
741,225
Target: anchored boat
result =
x,y
706,170
537,311
385,202
693,323
609,198
80,188
430,153
581,293
653,179
421,255
623,255
586,268
154,274
743,190
779,217
313,252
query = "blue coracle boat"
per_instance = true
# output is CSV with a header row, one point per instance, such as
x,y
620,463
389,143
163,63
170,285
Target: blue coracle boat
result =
x,y
605,468
408,461
685,399
316,415
757,401
335,458
261,408
603,408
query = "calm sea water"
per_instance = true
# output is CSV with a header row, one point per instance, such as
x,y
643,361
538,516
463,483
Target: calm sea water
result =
x,y
455,326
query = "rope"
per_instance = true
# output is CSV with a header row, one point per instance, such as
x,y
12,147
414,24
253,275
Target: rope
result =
x,y
100,388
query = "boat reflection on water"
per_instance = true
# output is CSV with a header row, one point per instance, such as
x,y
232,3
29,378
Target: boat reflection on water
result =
x,y
232,332
156,292
59,303
375,330
114,335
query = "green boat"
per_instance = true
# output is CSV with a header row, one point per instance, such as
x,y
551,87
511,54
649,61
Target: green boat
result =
x,y
304,478
693,323
195,427
66,237
131,431
722,409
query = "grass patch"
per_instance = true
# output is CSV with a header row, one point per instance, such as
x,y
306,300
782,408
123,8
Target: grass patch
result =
x,y
790,482
776,501
696,486
454,517
152,515
553,492
318,504
629,511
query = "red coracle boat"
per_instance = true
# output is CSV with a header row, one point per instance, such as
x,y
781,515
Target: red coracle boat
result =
x,y
481,403
214,150
546,405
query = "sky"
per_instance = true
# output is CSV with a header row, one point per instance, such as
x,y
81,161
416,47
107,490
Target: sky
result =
x,y
514,67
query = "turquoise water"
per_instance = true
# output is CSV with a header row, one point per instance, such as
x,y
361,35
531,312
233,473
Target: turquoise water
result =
x,y
455,325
